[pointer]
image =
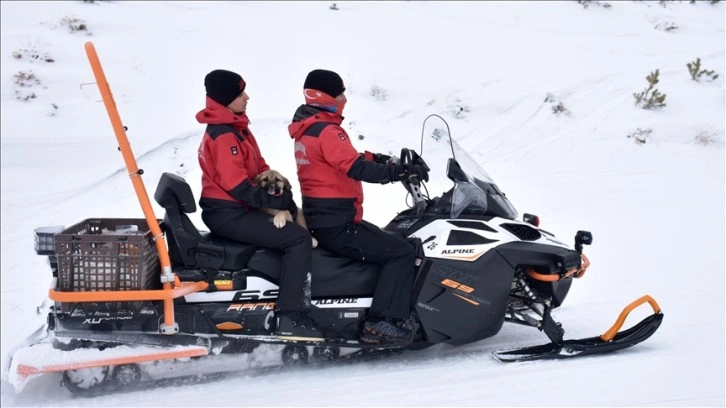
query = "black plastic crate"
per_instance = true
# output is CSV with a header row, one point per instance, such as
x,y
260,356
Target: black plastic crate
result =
x,y
100,254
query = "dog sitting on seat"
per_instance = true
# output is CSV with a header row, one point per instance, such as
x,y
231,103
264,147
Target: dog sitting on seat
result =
x,y
273,183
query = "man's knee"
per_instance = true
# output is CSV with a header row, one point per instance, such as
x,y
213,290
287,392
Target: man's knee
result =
x,y
404,249
296,234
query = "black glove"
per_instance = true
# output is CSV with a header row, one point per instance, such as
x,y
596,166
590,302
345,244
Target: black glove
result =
x,y
419,172
410,172
380,158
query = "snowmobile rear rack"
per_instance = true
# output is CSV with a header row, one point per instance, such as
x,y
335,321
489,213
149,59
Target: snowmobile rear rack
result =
x,y
178,290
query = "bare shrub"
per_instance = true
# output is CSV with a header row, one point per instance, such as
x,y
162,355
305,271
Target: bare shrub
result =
x,y
666,26
74,24
379,93
588,3
640,136
458,110
557,106
24,80
32,55
708,137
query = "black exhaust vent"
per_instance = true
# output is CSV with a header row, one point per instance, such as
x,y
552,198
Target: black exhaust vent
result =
x,y
467,238
472,225
523,232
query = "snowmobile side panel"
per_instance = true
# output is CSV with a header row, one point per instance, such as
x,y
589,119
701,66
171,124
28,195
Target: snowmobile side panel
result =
x,y
475,292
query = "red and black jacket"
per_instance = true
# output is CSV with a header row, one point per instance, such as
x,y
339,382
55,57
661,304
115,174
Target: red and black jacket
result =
x,y
230,159
330,170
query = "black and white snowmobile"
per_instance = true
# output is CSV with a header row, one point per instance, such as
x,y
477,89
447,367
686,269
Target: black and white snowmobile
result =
x,y
133,295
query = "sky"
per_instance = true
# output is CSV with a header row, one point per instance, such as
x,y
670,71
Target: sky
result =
x,y
541,95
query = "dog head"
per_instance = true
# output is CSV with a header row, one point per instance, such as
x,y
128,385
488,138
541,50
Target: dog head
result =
x,y
272,182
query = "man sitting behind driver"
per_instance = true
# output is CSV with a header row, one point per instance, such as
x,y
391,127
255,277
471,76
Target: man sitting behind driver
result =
x,y
330,171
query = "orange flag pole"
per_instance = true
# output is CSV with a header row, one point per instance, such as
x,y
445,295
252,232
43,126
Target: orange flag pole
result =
x,y
167,276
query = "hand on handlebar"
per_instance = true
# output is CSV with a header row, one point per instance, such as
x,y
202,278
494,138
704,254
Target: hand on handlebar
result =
x,y
418,171
412,173
381,158
412,166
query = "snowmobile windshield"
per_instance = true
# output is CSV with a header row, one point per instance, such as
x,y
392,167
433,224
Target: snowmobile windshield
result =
x,y
474,190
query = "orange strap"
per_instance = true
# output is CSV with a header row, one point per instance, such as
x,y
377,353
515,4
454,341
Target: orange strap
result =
x,y
576,272
610,334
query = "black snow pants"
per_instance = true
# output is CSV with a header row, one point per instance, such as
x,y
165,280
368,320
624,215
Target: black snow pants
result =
x,y
255,227
366,242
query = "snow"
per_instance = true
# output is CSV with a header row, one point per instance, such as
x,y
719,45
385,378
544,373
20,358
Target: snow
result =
x,y
495,71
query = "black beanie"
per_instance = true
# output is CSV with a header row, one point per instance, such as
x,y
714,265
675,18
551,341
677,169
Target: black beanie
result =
x,y
325,81
224,86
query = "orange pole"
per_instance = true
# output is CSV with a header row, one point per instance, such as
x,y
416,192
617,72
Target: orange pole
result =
x,y
167,276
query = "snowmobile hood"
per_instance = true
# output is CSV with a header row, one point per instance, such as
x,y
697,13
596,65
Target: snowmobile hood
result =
x,y
214,114
306,115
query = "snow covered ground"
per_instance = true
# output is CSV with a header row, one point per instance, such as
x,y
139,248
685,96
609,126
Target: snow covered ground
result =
x,y
541,93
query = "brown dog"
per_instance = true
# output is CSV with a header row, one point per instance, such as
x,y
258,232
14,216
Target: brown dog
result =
x,y
273,183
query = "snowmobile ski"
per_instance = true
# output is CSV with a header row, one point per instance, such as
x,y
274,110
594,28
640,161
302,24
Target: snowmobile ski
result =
x,y
612,340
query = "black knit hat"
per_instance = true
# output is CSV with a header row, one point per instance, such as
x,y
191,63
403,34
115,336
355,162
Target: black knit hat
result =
x,y
325,81
224,86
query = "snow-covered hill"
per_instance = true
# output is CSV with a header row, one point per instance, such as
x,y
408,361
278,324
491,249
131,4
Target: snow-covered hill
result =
x,y
541,93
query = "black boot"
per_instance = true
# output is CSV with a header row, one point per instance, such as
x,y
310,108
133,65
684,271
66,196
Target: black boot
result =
x,y
384,332
297,326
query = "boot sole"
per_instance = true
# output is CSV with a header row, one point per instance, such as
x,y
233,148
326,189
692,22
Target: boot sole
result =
x,y
384,341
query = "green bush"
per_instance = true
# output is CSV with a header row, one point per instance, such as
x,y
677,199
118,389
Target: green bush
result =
x,y
694,68
651,98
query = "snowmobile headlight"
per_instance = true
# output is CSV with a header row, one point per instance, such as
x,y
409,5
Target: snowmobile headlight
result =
x,y
45,239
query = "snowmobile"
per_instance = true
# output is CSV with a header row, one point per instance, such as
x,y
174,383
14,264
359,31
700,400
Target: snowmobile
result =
x,y
132,295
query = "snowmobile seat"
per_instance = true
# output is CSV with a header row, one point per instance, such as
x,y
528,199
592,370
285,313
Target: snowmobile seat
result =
x,y
332,275
187,245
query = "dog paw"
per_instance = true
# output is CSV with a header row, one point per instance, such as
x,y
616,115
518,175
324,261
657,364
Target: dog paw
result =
x,y
279,220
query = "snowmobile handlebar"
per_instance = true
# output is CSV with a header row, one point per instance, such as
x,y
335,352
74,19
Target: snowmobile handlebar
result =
x,y
410,159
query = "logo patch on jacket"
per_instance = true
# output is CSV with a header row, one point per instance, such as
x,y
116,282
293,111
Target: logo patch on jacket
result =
x,y
234,150
341,136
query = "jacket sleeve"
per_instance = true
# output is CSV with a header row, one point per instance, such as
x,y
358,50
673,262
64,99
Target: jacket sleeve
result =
x,y
340,153
372,172
229,160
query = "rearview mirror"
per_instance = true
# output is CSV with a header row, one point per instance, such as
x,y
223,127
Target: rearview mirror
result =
x,y
454,171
